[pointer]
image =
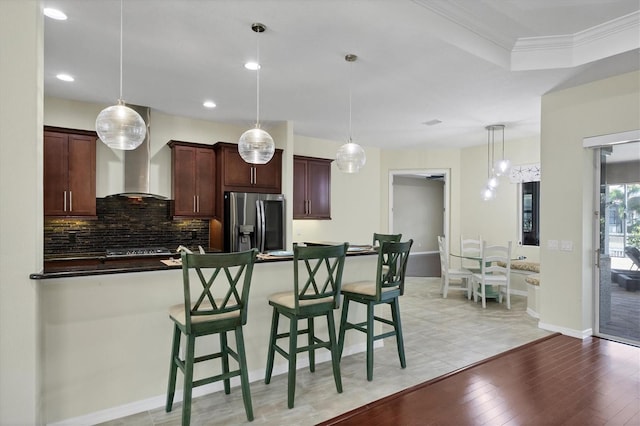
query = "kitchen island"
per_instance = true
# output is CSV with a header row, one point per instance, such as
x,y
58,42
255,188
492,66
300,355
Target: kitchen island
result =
x,y
107,335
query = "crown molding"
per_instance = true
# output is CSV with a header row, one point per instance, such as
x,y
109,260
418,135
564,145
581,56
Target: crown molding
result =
x,y
563,51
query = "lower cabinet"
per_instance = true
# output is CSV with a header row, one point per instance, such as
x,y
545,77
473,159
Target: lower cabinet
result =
x,y
311,188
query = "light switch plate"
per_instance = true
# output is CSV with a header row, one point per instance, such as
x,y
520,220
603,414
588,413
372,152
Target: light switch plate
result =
x,y
566,245
552,244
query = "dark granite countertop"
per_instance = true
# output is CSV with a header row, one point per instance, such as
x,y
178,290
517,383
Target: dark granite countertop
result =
x,y
99,264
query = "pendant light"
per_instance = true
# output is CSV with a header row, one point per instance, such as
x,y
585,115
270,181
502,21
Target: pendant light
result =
x,y
501,167
350,157
255,145
119,126
489,191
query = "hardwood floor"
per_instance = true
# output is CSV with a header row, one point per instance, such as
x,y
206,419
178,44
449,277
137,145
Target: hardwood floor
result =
x,y
556,380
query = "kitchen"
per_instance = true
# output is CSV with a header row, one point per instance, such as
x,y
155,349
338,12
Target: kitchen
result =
x,y
59,323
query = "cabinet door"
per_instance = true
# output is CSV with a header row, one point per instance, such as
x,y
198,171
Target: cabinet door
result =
x,y
184,186
82,175
55,174
299,188
269,176
204,182
237,172
319,189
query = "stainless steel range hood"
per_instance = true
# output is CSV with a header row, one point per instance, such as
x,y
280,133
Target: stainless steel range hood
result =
x,y
136,163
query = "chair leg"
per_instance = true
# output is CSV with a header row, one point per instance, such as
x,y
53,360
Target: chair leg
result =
x,y
311,341
173,368
244,374
272,343
395,315
484,296
224,349
445,290
343,326
188,379
293,347
370,332
335,359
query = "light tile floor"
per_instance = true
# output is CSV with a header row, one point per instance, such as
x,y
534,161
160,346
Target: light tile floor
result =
x,y
441,335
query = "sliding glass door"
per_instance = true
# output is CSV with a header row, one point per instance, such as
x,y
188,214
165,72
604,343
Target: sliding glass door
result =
x,y
618,260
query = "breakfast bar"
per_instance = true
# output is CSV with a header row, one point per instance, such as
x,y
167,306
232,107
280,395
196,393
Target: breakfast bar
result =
x,y
111,326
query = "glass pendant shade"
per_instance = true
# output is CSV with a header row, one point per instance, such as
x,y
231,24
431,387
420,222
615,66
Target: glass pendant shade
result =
x,y
488,193
493,182
502,167
256,146
120,127
350,158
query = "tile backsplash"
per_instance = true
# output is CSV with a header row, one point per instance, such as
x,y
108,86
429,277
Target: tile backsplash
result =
x,y
124,223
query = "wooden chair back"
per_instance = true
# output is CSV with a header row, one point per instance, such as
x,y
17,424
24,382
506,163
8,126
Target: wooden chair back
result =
x,y
318,275
223,292
392,266
378,239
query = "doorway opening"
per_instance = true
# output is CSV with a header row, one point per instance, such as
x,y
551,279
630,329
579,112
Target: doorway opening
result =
x,y
419,209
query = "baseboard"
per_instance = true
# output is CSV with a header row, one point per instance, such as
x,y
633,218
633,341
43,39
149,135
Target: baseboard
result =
x,y
533,313
160,401
579,334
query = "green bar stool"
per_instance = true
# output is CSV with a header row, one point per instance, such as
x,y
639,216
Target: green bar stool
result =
x,y
220,307
381,238
386,289
317,277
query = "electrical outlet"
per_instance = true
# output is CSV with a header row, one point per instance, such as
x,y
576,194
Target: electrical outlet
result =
x,y
72,237
552,244
194,234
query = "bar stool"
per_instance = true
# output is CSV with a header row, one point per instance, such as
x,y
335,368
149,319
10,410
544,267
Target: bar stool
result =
x,y
386,289
220,307
317,277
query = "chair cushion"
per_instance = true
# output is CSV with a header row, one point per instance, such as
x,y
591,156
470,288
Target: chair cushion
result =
x,y
533,279
367,288
176,312
287,299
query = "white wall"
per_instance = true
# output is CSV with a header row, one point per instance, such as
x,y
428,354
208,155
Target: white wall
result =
x,y
21,65
567,187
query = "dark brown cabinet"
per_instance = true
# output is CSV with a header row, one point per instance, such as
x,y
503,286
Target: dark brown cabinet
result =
x,y
69,172
311,188
193,179
234,174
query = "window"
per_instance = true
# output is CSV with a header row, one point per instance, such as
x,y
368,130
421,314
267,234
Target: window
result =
x,y
530,216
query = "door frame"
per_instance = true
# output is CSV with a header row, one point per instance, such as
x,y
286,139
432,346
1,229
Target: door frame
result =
x,y
423,173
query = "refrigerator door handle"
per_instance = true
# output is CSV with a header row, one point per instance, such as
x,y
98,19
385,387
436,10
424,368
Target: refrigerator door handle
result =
x,y
261,225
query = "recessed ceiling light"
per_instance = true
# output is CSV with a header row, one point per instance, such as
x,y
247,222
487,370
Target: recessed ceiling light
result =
x,y
65,77
56,14
253,66
432,122
209,104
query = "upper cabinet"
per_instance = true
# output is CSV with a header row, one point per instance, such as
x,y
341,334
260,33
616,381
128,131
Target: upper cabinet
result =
x,y
238,175
69,172
311,188
193,179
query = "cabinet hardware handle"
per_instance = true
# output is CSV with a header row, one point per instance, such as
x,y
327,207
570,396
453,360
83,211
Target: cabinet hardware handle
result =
x,y
194,203
64,208
198,200
309,206
70,201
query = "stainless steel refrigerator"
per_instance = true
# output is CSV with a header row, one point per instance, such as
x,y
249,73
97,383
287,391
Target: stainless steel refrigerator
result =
x,y
253,220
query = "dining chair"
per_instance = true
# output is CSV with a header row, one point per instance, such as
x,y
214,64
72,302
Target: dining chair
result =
x,y
380,238
386,289
495,272
470,248
220,307
317,279
463,276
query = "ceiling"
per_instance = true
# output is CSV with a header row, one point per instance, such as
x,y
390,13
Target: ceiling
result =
x,y
465,63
